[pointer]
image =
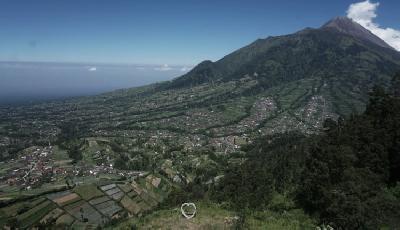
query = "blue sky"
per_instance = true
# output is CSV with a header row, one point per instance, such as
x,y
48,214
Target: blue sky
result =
x,y
156,32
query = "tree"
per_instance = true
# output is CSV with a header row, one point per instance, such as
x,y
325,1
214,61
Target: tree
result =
x,y
396,85
351,165
75,153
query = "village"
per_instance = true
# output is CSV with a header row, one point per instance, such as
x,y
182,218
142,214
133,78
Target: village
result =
x,y
38,166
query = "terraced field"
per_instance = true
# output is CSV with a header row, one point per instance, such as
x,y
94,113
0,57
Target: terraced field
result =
x,y
191,116
89,205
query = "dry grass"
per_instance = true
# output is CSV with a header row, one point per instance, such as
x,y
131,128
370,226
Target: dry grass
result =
x,y
67,199
207,217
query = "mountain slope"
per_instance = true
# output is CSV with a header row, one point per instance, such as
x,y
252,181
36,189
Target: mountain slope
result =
x,y
273,85
339,47
348,26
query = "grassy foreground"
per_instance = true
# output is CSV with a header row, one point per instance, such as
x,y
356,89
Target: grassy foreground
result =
x,y
213,216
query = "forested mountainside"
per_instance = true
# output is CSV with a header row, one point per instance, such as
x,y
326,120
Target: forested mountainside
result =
x,y
338,49
347,177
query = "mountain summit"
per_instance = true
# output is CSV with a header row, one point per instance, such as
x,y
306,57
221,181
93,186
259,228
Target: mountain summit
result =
x,y
350,27
340,48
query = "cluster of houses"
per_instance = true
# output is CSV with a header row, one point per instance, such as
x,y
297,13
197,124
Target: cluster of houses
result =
x,y
260,110
36,166
31,169
229,143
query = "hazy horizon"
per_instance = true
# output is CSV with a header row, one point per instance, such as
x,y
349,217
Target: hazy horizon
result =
x,y
25,82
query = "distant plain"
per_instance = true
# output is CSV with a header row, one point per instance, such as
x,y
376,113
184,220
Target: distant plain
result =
x,y
27,82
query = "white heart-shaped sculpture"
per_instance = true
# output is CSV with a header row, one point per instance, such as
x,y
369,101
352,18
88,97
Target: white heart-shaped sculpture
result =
x,y
188,215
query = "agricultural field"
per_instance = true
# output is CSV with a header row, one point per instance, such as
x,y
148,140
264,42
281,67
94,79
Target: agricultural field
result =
x,y
88,191
88,204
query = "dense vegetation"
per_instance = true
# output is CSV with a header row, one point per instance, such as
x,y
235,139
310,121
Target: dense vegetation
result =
x,y
347,177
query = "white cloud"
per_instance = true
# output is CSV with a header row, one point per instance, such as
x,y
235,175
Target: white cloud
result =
x,y
364,13
92,69
185,69
164,67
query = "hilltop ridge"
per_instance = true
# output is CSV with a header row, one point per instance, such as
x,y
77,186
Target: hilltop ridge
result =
x,y
350,27
295,56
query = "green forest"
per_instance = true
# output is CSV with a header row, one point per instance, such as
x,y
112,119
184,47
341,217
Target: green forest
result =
x,y
347,177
